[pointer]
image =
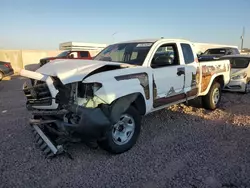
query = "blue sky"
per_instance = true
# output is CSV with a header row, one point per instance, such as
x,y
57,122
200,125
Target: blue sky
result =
x,y
31,24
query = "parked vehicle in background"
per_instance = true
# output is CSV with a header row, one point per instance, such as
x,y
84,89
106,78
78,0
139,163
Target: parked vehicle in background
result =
x,y
5,69
240,73
215,53
69,54
104,99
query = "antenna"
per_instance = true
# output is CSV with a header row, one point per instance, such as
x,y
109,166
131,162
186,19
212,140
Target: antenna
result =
x,y
242,38
113,38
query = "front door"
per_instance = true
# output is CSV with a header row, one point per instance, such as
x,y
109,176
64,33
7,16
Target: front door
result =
x,y
168,76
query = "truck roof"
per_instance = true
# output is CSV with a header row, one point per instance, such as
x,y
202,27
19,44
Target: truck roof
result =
x,y
153,40
226,47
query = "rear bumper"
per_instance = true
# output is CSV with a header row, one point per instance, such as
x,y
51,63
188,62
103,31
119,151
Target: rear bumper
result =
x,y
236,86
8,72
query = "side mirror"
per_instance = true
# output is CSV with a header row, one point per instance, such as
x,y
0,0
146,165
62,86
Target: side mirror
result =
x,y
161,61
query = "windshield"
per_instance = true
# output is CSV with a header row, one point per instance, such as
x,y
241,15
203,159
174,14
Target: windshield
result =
x,y
215,51
63,54
130,53
240,63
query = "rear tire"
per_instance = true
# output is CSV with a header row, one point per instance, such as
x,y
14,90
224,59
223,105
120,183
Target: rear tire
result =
x,y
247,90
1,75
122,136
212,99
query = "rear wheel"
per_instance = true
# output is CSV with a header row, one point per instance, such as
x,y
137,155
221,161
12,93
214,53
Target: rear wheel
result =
x,y
212,99
247,90
1,75
123,135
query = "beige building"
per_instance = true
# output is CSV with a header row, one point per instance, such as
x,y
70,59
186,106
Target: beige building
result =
x,y
93,48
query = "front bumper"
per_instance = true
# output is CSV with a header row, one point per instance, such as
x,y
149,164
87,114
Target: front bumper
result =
x,y
67,124
52,134
236,86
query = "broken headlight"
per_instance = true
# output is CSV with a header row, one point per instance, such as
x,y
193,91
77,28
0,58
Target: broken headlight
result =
x,y
87,90
239,76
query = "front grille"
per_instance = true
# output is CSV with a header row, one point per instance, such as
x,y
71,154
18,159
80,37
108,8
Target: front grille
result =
x,y
38,94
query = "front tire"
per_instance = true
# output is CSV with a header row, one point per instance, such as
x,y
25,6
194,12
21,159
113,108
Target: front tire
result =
x,y
122,136
212,99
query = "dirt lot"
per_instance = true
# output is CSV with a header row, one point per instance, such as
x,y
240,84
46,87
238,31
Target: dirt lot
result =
x,y
182,147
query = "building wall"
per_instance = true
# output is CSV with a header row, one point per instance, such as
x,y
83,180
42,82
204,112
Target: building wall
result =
x,y
20,59
29,59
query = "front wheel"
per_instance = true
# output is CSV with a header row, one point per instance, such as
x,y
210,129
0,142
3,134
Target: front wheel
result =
x,y
212,99
122,136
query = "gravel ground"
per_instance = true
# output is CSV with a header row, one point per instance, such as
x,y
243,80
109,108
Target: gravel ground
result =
x,y
182,147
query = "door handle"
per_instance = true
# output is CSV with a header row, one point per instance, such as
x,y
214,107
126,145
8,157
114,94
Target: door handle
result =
x,y
180,71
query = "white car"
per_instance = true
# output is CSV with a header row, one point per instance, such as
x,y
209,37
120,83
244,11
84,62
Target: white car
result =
x,y
104,99
240,73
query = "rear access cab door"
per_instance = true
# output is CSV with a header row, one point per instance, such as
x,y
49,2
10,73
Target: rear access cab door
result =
x,y
174,73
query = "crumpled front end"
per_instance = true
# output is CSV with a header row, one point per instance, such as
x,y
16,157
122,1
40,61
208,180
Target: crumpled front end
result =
x,y
60,115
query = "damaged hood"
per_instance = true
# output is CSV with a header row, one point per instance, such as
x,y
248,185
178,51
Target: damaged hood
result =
x,y
69,71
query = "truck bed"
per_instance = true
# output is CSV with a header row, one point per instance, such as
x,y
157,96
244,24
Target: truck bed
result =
x,y
211,69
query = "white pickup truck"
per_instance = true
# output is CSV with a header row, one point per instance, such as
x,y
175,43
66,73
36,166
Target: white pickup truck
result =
x,y
103,99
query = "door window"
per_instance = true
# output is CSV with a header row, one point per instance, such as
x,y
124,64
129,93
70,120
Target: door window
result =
x,y
166,55
187,53
84,54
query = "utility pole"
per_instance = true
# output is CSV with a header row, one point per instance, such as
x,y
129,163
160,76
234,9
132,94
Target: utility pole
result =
x,y
242,38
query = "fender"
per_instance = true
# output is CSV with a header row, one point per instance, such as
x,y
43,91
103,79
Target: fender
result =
x,y
205,92
112,91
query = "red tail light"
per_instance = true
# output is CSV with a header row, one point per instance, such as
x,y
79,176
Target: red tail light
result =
x,y
7,65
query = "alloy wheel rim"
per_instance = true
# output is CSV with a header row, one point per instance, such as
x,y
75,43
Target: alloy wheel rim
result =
x,y
216,96
123,130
